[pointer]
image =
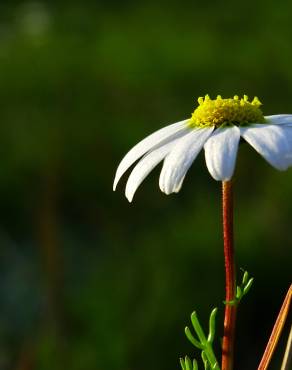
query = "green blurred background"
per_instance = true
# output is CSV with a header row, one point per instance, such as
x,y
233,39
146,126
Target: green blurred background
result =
x,y
89,281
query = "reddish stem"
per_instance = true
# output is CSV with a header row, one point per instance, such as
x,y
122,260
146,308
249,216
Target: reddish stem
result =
x,y
230,310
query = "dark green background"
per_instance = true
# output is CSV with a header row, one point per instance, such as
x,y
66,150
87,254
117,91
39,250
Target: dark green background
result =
x,y
87,280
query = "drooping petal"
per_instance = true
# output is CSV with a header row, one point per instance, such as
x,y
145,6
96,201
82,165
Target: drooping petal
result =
x,y
221,151
179,160
161,136
273,142
279,119
145,166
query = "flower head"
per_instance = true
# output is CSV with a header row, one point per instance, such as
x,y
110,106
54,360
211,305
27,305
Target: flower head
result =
x,y
220,111
217,126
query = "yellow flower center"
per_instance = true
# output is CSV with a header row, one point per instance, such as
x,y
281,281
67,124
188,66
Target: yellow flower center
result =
x,y
220,112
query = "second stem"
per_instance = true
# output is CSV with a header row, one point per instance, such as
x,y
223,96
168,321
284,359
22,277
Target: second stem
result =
x,y
230,309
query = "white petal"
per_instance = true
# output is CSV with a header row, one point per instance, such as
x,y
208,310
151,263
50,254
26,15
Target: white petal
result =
x,y
273,142
221,151
279,119
179,160
145,166
161,136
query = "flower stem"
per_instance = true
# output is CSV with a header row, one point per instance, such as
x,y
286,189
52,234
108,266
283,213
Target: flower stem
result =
x,y
287,360
230,309
276,332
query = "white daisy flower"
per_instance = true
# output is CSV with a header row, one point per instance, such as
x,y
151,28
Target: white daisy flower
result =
x,y
217,126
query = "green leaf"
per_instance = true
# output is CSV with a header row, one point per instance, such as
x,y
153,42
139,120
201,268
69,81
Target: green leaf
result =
x,y
195,365
205,360
182,363
198,328
212,328
248,286
238,292
191,338
245,278
188,363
